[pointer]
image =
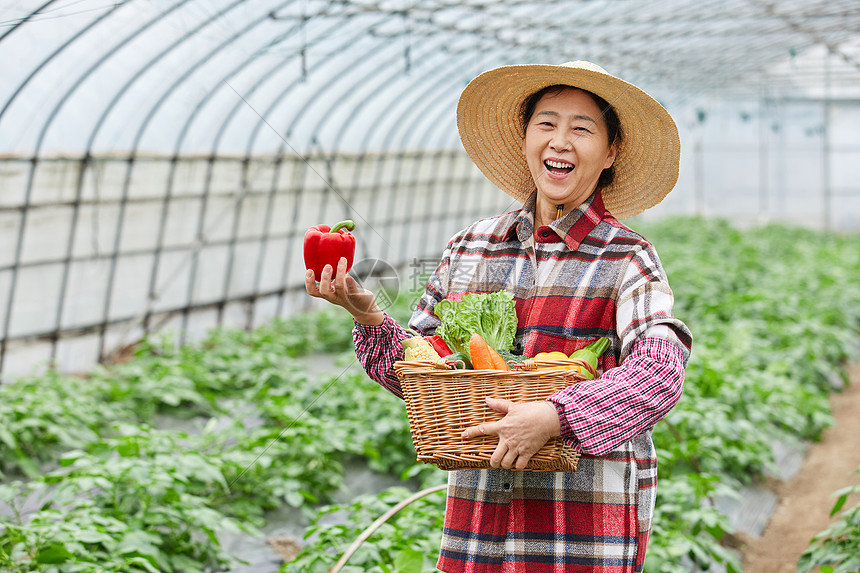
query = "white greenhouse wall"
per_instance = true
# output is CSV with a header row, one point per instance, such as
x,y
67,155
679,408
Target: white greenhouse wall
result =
x,y
128,247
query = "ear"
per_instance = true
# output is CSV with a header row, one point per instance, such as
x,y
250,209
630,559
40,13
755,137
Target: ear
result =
x,y
610,158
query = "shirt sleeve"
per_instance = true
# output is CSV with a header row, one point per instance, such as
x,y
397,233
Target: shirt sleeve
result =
x,y
378,348
599,415
645,303
423,320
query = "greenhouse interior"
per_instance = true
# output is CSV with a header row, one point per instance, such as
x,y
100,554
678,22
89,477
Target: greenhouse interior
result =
x,y
172,398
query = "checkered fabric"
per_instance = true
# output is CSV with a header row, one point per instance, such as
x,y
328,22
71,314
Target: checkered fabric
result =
x,y
583,276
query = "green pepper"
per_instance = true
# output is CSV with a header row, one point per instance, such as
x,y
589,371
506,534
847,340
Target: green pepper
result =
x,y
459,357
591,353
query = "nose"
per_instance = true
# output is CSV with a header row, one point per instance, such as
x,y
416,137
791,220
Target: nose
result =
x,y
560,142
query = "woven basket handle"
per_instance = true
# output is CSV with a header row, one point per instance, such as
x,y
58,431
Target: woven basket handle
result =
x,y
438,364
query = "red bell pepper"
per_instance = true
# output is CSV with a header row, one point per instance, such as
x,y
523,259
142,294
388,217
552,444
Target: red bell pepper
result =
x,y
438,345
325,245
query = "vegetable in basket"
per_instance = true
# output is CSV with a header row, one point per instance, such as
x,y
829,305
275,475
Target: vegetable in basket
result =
x,y
457,358
419,348
484,357
556,355
592,352
491,315
438,344
589,353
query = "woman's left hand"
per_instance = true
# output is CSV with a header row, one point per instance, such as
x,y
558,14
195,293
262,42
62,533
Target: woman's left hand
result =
x,y
526,427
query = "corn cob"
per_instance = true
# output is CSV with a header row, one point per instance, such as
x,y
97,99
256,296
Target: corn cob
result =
x,y
416,348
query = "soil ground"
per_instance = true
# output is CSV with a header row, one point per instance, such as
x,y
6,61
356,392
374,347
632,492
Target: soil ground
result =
x,y
806,500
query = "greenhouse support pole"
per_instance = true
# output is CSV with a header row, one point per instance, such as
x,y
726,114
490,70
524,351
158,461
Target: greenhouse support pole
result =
x,y
763,155
825,147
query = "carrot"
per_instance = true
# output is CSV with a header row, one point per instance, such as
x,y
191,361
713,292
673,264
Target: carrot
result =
x,y
483,356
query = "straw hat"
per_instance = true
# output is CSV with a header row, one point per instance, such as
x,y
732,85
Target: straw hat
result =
x,y
489,120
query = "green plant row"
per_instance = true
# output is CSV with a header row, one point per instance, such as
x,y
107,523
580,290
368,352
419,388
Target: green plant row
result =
x,y
116,494
836,549
775,312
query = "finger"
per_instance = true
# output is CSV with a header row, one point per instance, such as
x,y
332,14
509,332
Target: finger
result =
x,y
510,459
326,286
340,276
480,430
499,405
498,455
311,283
522,462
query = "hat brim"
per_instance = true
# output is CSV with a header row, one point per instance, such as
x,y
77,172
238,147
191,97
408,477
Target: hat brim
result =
x,y
489,121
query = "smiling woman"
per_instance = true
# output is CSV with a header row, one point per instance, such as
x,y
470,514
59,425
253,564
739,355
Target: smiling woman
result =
x,y
567,147
548,136
614,137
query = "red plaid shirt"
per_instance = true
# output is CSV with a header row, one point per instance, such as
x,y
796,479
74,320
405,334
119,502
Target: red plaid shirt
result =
x,y
583,276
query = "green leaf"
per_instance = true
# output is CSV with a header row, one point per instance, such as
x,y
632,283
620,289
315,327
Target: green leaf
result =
x,y
128,449
7,438
409,561
53,554
838,505
186,564
71,457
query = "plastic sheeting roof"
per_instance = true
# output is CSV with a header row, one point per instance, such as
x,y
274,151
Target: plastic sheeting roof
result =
x,y
265,76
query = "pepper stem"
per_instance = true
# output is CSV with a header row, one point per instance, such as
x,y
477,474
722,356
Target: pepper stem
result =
x,y
348,225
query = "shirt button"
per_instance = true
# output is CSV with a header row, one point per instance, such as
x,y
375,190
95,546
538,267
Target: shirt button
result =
x,y
545,233
506,485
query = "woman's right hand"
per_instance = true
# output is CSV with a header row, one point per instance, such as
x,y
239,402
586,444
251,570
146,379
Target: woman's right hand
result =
x,y
344,291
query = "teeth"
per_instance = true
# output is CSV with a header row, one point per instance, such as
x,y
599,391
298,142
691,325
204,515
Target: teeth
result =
x,y
559,164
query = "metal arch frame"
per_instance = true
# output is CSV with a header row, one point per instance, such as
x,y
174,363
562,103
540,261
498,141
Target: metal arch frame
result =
x,y
295,234
415,96
56,52
26,19
237,213
104,57
264,78
773,27
13,282
85,163
144,317
355,110
200,236
125,190
123,202
305,109
277,100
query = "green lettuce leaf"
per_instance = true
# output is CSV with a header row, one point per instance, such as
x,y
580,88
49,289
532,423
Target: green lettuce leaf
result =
x,y
492,315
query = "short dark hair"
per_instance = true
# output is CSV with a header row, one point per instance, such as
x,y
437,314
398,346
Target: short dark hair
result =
x,y
610,118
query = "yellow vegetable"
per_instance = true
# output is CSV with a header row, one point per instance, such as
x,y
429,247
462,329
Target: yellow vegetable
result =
x,y
554,356
416,348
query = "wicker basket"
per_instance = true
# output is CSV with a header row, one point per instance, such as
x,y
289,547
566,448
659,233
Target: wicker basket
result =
x,y
442,401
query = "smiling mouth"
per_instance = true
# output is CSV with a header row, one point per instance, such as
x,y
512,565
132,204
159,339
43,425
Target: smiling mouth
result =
x,y
558,167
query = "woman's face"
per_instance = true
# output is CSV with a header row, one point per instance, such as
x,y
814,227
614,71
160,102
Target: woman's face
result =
x,y
566,147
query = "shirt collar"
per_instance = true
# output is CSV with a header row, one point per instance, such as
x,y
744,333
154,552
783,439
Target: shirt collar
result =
x,y
572,228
